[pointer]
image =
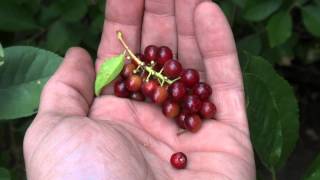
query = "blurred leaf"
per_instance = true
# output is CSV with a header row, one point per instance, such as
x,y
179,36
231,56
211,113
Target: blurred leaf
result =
x,y
311,19
62,36
240,3
251,43
313,172
22,78
4,174
15,18
48,15
279,28
229,10
272,111
260,10
1,55
102,5
108,71
72,10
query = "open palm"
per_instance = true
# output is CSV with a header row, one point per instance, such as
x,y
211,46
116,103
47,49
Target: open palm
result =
x,y
77,136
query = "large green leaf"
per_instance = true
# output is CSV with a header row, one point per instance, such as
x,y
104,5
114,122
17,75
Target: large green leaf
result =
x,y
283,114
240,3
260,10
313,172
22,77
311,19
279,28
4,174
1,55
15,18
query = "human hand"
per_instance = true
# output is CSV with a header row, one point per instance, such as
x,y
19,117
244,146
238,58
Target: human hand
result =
x,y
77,136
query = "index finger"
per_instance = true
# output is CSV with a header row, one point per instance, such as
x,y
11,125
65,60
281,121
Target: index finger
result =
x,y
223,71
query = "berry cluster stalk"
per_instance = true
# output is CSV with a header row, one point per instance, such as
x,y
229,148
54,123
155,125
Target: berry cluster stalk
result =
x,y
161,78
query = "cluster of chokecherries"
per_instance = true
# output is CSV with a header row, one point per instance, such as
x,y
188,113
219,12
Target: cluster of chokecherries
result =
x,y
159,78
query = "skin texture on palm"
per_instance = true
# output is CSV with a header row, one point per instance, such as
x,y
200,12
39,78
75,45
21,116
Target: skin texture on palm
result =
x,y
77,136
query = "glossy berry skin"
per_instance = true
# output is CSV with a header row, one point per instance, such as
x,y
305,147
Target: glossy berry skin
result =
x,y
179,160
149,87
120,89
160,95
177,91
164,54
208,110
203,90
192,104
133,83
127,70
180,120
190,77
171,109
172,69
137,96
150,53
193,123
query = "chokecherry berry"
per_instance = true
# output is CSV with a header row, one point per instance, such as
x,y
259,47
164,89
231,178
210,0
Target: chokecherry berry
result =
x,y
133,83
177,91
127,70
192,104
149,87
172,69
120,89
203,90
160,95
179,160
138,96
164,54
208,110
150,53
171,109
180,120
193,123
190,77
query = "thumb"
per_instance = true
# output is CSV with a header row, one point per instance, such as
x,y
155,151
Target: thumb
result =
x,y
70,89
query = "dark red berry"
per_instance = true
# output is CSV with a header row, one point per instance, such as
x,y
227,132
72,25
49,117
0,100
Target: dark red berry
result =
x,y
208,110
171,109
160,95
179,160
193,123
203,90
177,91
133,83
127,70
150,53
120,89
149,87
180,120
164,55
172,69
190,77
138,96
192,104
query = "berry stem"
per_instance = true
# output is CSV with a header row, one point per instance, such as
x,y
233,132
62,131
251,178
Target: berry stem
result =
x,y
163,79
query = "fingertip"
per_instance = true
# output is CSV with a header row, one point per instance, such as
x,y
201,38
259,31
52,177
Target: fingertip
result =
x,y
78,53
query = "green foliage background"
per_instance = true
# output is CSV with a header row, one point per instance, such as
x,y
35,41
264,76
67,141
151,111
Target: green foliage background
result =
x,y
268,33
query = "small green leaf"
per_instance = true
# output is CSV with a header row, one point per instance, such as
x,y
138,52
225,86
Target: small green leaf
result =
x,y
251,43
4,174
22,78
109,70
313,172
260,10
279,28
311,19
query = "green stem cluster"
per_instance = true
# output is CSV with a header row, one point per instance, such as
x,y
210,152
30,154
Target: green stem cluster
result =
x,y
149,68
